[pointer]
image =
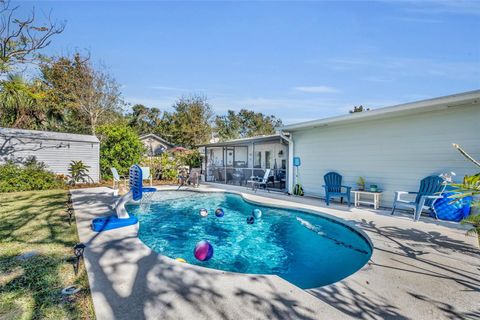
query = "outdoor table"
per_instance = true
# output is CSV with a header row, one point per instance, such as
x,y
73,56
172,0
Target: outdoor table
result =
x,y
376,197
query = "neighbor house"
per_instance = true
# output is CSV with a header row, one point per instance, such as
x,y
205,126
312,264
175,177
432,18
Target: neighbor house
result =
x,y
55,149
155,144
392,147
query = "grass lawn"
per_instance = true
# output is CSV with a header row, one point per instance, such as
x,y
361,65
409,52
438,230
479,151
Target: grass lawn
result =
x,y
31,288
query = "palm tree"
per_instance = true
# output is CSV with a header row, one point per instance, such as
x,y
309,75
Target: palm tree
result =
x,y
20,105
470,187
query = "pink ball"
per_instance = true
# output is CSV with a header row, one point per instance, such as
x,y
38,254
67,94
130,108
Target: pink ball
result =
x,y
203,250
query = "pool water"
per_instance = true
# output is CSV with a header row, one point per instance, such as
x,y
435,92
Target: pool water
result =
x,y
305,249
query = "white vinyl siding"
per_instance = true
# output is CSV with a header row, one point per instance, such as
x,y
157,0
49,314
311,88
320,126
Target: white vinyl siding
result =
x,y
394,153
56,150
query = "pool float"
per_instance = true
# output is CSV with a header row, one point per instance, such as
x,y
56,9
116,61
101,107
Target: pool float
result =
x,y
181,260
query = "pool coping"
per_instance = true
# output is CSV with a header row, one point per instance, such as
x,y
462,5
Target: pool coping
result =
x,y
360,286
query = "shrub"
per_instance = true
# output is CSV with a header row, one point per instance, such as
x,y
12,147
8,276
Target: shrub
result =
x,y
31,176
120,147
163,167
191,158
78,172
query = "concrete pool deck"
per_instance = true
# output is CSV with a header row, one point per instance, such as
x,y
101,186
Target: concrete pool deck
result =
x,y
418,270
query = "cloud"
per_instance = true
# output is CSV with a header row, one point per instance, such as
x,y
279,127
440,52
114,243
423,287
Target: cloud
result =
x,y
316,89
465,7
176,89
393,68
415,19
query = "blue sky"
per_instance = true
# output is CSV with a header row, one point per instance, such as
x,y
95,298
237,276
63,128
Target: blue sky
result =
x,y
296,60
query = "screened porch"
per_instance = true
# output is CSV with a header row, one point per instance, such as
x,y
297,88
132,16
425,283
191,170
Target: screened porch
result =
x,y
237,161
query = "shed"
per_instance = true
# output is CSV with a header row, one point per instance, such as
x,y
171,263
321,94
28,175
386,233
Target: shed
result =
x,y
392,147
55,149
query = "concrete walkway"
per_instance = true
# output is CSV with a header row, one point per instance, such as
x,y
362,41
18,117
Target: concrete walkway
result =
x,y
422,270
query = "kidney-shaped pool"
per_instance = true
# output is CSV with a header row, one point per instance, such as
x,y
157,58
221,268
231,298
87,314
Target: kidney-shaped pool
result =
x,y
305,249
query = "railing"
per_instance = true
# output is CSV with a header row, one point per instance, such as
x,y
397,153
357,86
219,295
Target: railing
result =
x,y
240,176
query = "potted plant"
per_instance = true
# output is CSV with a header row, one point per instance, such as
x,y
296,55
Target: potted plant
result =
x,y
361,183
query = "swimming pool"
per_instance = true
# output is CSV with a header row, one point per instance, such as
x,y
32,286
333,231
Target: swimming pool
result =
x,y
305,249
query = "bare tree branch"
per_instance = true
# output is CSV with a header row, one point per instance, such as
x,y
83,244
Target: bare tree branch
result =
x,y
22,39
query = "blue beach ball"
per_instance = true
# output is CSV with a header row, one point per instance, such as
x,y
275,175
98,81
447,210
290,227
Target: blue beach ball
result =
x,y
219,212
203,212
250,220
257,213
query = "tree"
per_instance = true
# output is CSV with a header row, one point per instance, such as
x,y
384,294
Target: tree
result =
x,y
190,123
244,124
20,103
470,187
86,95
359,108
145,120
120,148
22,39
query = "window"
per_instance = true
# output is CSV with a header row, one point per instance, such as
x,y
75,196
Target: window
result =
x,y
258,159
268,160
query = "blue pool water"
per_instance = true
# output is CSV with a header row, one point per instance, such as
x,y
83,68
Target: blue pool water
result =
x,y
307,250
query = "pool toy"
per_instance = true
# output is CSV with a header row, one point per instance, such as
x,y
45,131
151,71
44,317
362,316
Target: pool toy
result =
x,y
250,220
122,218
257,213
219,212
203,212
203,250
181,260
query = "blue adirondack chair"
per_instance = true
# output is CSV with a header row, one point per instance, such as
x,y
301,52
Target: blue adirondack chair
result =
x,y
430,190
333,188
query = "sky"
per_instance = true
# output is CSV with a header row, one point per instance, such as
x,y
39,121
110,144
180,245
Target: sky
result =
x,y
296,60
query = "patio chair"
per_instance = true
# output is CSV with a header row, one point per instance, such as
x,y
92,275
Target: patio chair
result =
x,y
147,175
257,181
333,188
430,190
117,179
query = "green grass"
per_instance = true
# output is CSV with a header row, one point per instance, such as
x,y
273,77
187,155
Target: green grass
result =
x,y
30,288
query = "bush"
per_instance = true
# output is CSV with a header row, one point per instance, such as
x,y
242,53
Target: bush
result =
x,y
120,147
191,158
78,172
163,167
31,176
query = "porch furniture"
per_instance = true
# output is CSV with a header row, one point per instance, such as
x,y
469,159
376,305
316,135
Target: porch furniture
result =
x,y
333,188
194,176
257,181
146,174
373,195
430,190
117,178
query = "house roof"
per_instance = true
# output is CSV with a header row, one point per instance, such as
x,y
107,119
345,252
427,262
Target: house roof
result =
x,y
47,135
445,102
245,141
154,136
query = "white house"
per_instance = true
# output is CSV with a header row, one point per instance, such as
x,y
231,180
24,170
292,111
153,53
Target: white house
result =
x,y
55,149
392,147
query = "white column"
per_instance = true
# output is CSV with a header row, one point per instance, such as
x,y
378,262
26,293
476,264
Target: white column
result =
x,y
290,173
